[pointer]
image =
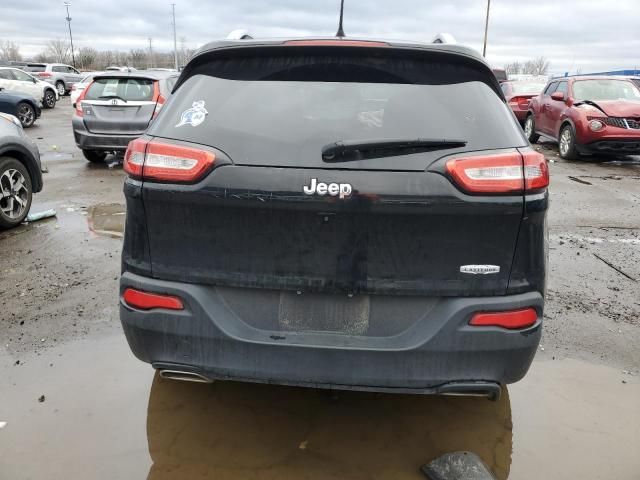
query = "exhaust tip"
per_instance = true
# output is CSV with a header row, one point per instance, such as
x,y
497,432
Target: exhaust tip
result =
x,y
184,376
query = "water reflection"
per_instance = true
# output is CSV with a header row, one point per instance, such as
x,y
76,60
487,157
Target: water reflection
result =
x,y
231,430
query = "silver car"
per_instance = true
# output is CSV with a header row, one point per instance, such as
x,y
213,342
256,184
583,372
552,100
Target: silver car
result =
x,y
58,74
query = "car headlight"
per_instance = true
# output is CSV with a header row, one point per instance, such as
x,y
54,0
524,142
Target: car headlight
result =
x,y
596,125
10,118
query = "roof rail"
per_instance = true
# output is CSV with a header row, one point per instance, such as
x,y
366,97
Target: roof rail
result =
x,y
239,34
444,38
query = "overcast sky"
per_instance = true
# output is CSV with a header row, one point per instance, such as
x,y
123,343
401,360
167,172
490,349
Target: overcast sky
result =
x,y
590,35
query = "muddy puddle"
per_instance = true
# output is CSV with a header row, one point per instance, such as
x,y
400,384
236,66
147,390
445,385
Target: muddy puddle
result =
x,y
105,415
107,219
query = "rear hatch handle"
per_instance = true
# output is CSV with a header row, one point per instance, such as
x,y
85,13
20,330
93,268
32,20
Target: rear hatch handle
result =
x,y
110,97
353,150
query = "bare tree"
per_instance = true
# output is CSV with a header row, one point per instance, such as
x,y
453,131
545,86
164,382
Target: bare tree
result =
x,y
184,53
9,50
137,58
59,50
513,68
87,57
537,66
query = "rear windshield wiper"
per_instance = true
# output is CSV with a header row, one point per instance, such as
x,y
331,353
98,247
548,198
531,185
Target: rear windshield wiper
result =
x,y
589,102
108,97
352,150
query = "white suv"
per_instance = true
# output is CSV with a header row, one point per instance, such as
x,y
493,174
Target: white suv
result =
x,y
16,80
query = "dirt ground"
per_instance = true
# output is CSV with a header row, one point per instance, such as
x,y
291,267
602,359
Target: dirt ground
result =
x,y
105,415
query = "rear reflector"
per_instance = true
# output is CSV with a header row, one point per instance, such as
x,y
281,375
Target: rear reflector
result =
x,y
335,43
166,162
512,320
500,173
146,301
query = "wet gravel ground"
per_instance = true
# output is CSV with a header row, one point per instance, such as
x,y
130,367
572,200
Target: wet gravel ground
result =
x,y
61,338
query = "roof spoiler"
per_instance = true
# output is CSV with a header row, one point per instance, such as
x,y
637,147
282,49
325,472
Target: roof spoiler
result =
x,y
444,38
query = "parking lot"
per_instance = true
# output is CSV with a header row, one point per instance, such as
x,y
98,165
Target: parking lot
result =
x,y
73,392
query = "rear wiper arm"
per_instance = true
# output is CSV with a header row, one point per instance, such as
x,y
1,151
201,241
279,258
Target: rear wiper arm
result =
x,y
107,97
351,150
593,104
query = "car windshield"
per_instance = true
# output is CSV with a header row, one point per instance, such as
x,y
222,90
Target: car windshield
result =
x,y
130,89
527,88
605,90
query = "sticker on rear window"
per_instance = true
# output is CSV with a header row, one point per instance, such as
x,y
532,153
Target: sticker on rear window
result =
x,y
193,116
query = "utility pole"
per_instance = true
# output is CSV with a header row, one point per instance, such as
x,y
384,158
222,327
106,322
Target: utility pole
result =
x,y
486,29
150,61
175,42
73,56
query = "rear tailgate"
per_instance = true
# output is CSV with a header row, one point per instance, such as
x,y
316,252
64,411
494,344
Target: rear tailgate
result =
x,y
403,229
119,105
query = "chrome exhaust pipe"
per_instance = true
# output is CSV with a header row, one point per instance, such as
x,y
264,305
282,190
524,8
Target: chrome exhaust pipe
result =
x,y
184,376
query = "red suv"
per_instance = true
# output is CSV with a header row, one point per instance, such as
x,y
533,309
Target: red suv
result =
x,y
587,115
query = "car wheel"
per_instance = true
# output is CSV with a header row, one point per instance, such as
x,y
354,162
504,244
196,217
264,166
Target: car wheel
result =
x,y
49,100
61,88
530,129
567,143
15,192
26,114
94,156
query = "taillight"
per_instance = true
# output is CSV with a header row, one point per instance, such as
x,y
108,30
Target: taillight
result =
x,y
500,173
43,74
160,101
147,301
521,102
79,110
335,43
512,320
165,162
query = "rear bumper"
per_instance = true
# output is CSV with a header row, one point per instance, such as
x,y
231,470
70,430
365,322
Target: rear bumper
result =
x,y
86,140
441,348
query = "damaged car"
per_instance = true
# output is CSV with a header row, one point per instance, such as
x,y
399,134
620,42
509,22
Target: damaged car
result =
x,y
587,115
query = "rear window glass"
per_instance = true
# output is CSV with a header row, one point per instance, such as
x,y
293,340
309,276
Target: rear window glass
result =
x,y
35,68
525,88
130,89
288,107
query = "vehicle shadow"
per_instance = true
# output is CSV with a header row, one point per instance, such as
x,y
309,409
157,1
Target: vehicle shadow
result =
x,y
230,430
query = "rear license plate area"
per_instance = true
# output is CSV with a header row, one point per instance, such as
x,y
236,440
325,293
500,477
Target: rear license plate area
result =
x,y
308,312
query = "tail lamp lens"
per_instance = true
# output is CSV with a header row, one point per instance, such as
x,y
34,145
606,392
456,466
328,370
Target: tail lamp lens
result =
x,y
500,173
147,301
164,162
511,320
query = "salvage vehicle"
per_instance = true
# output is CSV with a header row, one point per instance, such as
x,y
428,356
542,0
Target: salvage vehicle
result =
x,y
16,80
587,115
117,107
337,213
20,172
24,107
519,94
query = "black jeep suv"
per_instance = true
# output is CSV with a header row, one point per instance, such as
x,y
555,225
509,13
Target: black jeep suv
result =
x,y
336,213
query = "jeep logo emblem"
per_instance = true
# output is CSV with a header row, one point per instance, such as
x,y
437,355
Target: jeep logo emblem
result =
x,y
342,190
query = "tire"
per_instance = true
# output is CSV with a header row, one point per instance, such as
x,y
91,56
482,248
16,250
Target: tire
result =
x,y
567,143
530,129
26,114
94,156
49,100
15,192
62,90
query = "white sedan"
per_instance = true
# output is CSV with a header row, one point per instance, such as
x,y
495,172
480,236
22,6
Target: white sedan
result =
x,y
16,80
79,87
